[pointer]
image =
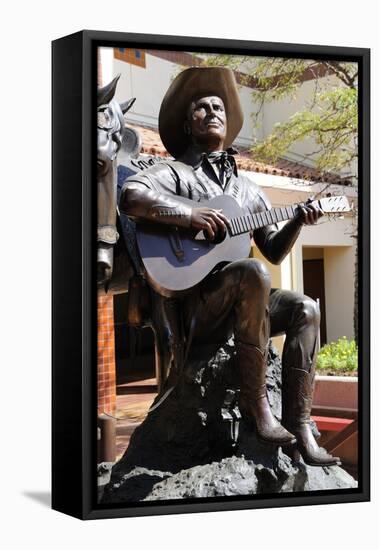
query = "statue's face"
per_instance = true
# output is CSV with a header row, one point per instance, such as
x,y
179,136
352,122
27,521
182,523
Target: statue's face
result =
x,y
207,120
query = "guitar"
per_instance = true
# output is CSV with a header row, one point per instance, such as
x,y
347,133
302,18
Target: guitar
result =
x,y
177,259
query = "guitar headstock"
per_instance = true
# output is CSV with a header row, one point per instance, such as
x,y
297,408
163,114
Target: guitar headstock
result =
x,y
333,205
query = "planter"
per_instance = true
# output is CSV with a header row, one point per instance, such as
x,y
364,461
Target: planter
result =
x,y
335,409
336,391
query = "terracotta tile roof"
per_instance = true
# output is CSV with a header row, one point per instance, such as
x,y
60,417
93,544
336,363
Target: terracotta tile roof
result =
x,y
151,141
152,145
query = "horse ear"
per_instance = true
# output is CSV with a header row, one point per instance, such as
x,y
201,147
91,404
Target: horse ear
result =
x,y
106,93
126,105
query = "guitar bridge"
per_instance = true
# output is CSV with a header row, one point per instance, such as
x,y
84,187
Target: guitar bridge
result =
x,y
176,244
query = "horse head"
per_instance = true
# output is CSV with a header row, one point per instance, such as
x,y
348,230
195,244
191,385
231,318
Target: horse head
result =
x,y
110,131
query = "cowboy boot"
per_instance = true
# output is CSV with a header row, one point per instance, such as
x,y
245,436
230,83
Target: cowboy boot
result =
x,y
253,403
297,394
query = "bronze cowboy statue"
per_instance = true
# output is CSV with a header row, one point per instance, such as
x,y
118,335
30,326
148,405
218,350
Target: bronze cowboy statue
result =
x,y
199,119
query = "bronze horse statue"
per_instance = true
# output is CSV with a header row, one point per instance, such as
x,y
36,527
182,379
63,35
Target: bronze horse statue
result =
x,y
112,274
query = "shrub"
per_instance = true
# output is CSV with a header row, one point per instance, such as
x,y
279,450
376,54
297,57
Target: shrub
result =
x,y
339,357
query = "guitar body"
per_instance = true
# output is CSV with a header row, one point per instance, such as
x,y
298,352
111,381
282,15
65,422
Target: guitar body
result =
x,y
175,261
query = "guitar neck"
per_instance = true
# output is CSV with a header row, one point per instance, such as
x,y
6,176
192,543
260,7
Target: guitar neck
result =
x,y
250,222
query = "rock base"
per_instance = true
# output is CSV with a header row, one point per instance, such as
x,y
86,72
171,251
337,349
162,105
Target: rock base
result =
x,y
186,446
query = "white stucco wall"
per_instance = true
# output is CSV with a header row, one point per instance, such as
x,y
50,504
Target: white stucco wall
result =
x,y
148,85
339,291
106,61
336,238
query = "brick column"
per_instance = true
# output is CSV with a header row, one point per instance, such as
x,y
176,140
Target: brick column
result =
x,y
106,364
106,380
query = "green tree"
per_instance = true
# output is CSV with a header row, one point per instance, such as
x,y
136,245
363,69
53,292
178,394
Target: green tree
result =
x,y
330,117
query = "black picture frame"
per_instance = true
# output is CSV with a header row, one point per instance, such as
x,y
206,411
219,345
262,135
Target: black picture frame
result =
x,y
74,285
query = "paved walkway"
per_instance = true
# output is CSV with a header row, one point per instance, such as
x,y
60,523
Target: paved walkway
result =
x,y
133,401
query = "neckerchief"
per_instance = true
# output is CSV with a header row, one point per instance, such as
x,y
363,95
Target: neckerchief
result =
x,y
225,163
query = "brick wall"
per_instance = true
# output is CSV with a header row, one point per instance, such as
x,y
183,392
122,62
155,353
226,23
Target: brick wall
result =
x,y
180,58
131,55
106,365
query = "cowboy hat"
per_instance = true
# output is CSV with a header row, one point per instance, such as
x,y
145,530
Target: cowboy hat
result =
x,y
198,82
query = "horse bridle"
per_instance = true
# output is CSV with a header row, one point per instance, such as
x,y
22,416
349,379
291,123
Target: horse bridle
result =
x,y
107,234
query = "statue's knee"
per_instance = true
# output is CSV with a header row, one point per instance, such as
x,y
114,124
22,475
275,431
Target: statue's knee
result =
x,y
254,272
310,312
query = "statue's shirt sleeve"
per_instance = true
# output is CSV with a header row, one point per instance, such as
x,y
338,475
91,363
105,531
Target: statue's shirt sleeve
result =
x,y
151,195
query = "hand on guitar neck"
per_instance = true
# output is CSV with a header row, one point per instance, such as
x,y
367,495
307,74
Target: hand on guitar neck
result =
x,y
309,212
214,223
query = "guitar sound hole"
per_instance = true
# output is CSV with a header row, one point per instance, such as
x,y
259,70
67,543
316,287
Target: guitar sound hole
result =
x,y
202,236
218,238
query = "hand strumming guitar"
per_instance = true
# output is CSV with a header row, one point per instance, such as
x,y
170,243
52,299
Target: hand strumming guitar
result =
x,y
213,222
